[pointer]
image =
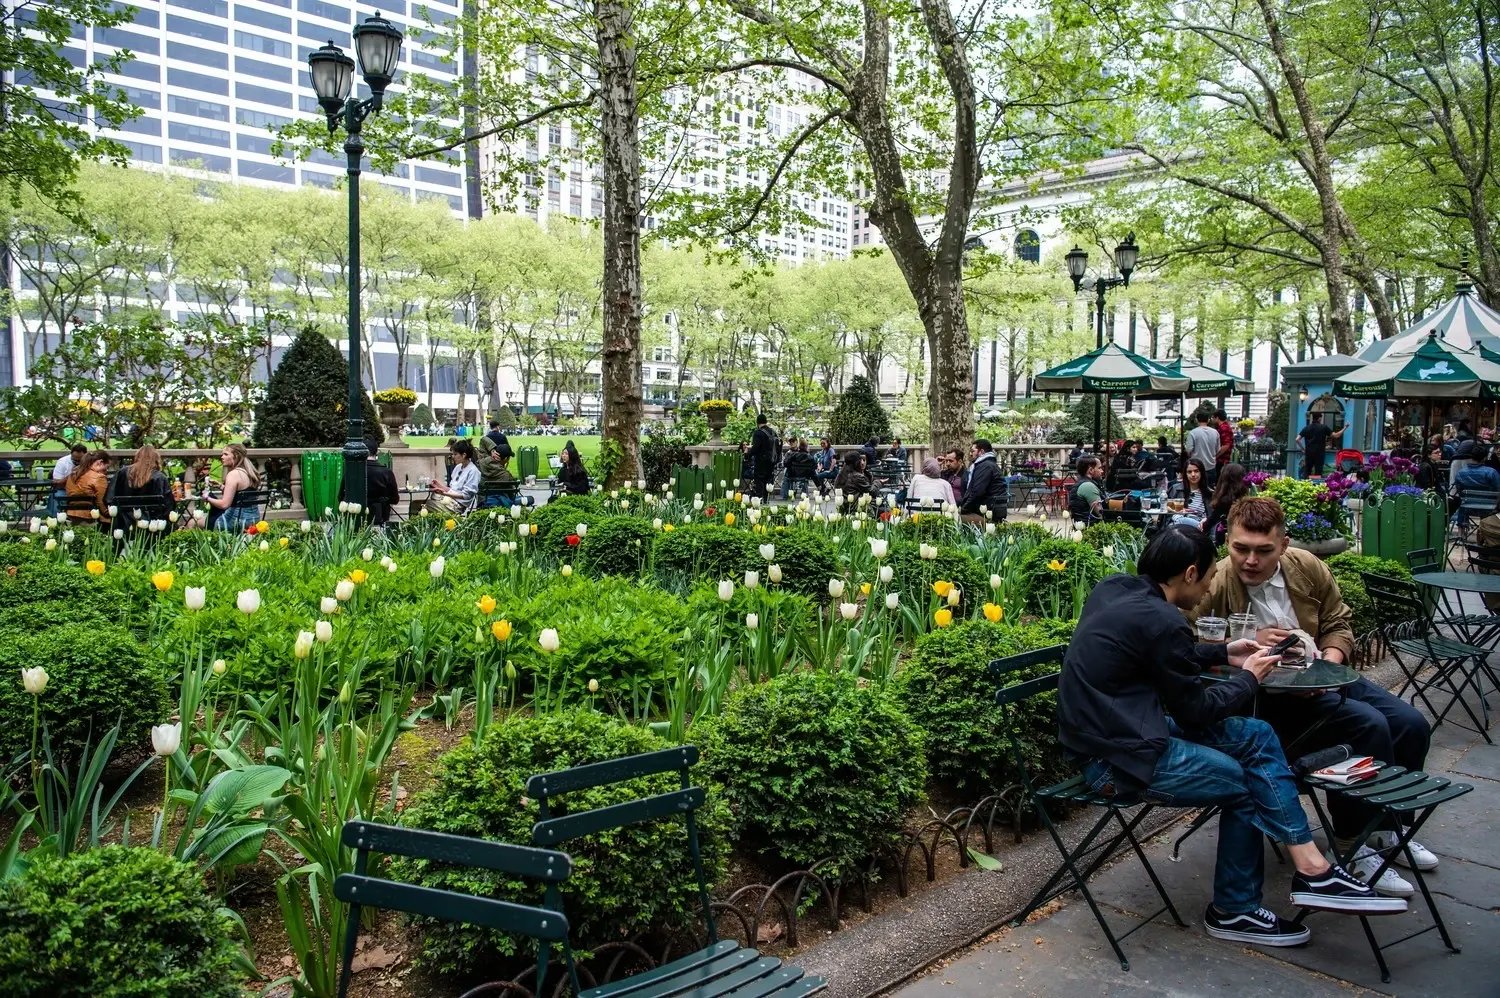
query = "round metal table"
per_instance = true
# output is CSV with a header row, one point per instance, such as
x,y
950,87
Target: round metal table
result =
x,y
1319,675
1468,582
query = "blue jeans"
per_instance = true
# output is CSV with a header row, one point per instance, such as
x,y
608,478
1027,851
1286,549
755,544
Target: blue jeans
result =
x,y
1238,765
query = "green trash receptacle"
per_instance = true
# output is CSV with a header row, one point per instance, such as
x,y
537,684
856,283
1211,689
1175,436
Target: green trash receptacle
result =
x,y
527,462
322,476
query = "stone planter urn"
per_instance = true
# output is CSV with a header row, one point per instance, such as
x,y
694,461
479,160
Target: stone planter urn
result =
x,y
393,416
716,423
1323,549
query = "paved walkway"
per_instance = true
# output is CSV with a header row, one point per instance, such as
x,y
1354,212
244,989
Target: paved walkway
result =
x,y
1065,954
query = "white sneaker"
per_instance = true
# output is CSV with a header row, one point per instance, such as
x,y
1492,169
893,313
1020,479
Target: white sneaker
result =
x,y
1426,859
1391,884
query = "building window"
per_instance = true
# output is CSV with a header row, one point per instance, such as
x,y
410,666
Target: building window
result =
x,y
198,81
197,29
197,108
1028,246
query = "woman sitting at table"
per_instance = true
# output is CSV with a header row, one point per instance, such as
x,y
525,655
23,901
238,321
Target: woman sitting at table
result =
x,y
929,485
572,476
142,485
1195,495
458,495
1122,468
87,481
1231,489
239,476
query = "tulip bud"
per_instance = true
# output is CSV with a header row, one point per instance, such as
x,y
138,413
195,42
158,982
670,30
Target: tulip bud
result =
x,y
892,600
68,536
302,647
887,573
548,640
344,590
953,596
656,523
835,588
1108,550
752,621
166,739
438,566
996,582
510,671
93,514
34,680
368,554
219,666
114,511
1077,536
344,693
879,547
323,631
51,544
593,686
343,507
248,600
774,571
567,571
193,598
752,579
726,590
306,525
119,535
265,545
768,551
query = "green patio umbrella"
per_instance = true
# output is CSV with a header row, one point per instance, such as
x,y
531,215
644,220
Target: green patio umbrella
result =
x,y
1110,370
1435,370
1209,381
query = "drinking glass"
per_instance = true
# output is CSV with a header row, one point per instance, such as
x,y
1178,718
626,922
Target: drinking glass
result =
x,y
1241,625
1212,629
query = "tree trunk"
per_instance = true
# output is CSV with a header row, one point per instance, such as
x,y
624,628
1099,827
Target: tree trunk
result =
x,y
620,127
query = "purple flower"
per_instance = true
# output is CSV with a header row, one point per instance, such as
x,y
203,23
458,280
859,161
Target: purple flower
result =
x,y
1403,490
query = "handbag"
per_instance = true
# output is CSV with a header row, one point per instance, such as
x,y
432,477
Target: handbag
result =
x,y
444,505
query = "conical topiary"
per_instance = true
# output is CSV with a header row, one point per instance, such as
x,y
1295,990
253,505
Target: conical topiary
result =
x,y
858,415
304,403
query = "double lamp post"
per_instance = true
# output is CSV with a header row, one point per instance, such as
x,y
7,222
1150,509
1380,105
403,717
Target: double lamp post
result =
x,y
377,43
1126,254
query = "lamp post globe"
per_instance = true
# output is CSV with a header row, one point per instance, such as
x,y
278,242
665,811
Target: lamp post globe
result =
x,y
1078,262
332,75
377,43
1126,255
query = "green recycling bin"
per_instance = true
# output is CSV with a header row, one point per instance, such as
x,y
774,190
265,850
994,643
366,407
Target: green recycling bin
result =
x,y
526,462
322,475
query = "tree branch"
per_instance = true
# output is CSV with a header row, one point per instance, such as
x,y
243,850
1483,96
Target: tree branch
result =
x,y
509,126
786,158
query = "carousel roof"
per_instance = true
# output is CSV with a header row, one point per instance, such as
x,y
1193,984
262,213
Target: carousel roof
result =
x,y
1462,322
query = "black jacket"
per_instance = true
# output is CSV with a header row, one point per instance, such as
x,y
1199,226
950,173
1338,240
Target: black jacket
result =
x,y
985,490
800,464
763,452
1132,661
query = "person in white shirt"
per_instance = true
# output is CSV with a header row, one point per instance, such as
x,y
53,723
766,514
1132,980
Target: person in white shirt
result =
x,y
1203,444
60,472
463,482
929,485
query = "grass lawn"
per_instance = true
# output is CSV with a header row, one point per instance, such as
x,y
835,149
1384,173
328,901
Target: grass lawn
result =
x,y
587,446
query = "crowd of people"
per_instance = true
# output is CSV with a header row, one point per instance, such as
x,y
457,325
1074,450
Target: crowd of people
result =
x,y
1139,714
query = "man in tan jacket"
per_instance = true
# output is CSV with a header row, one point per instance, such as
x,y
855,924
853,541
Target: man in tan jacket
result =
x,y
1287,588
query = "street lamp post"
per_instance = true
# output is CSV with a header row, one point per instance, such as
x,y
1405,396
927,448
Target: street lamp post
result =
x,y
1126,254
377,43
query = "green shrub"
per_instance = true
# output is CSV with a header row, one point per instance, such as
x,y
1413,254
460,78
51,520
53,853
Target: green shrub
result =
x,y
933,528
306,398
773,603
1346,569
1022,533
661,453
946,689
44,593
560,517
815,766
97,675
707,551
624,882
1116,535
914,576
616,545
858,415
1066,589
807,559
118,922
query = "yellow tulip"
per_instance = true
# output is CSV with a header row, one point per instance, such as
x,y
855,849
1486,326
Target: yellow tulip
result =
x,y
500,628
284,542
449,523
161,580
728,519
262,527
667,528
916,518
943,617
993,613
486,604
942,588
864,589
1057,566
95,567
359,577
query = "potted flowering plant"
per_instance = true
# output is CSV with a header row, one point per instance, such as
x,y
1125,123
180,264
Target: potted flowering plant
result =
x,y
1314,512
716,411
395,409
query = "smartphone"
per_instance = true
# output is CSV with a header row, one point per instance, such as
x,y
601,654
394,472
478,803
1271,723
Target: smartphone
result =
x,y
1285,644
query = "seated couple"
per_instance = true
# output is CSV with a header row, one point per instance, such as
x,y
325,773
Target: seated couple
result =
x,y
1135,711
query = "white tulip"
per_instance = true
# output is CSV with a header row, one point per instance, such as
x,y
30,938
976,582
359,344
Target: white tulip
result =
x,y
343,507
302,647
368,554
752,579
724,485
736,483
892,600
726,590
265,545
194,597
927,552
656,524
996,582
329,604
305,525
51,544
989,529
220,666
4,527
835,588
581,530
774,571
323,631
119,535
879,547
1077,536
1108,550
438,566
849,610
114,511
166,739
752,621
93,514
34,680
548,640
329,512
391,568
68,536
174,516
45,530
624,503
355,508
887,573
567,571
953,596
248,600
768,551
697,505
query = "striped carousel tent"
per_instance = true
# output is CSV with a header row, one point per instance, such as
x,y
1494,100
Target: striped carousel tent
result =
x,y
1463,322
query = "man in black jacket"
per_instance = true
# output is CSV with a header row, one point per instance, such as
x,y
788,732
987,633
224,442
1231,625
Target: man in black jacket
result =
x,y
762,456
984,498
1131,663
801,469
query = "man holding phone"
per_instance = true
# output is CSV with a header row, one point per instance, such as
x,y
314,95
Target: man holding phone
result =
x,y
1287,588
1132,663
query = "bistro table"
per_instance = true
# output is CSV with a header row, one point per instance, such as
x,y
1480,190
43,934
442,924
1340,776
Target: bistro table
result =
x,y
1477,629
1320,674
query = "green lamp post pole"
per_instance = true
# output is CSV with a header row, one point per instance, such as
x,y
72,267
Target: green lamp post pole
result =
x,y
1077,260
377,43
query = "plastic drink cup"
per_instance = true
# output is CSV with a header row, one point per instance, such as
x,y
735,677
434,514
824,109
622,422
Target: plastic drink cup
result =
x,y
1212,629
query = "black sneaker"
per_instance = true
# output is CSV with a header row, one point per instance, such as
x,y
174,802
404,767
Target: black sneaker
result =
x,y
1339,890
1259,928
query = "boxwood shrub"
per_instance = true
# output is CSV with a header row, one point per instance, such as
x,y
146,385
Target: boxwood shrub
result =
x,y
1084,568
808,560
947,690
98,675
706,550
815,766
1346,569
616,545
115,922
626,881
915,576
